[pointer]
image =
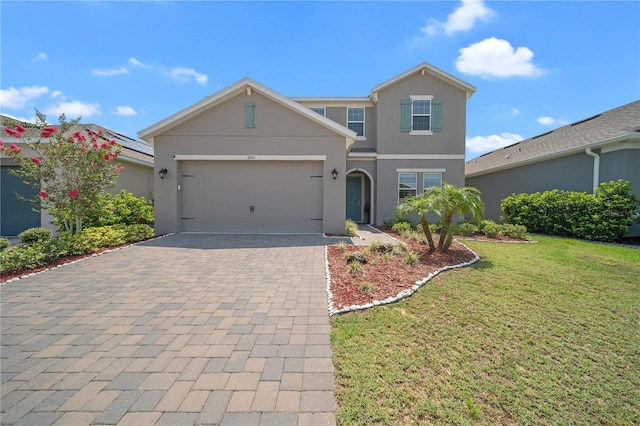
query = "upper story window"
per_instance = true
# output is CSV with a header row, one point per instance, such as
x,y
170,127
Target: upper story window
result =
x,y
421,115
355,120
407,185
318,110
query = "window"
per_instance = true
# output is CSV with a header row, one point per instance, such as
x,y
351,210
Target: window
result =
x,y
355,120
318,110
429,180
421,114
407,185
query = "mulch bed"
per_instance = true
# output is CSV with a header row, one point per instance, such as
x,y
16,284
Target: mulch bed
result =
x,y
382,278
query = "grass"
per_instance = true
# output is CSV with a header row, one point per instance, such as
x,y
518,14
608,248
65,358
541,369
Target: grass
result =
x,y
545,333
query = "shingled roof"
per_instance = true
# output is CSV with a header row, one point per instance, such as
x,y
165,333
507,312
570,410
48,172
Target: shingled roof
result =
x,y
616,125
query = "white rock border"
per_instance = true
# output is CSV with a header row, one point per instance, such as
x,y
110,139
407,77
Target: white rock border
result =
x,y
89,256
402,295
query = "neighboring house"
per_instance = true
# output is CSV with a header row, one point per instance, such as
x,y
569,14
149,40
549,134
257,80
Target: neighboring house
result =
x,y
248,159
17,215
575,157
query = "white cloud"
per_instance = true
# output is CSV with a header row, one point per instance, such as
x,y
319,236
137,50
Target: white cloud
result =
x,y
13,98
57,94
461,19
481,144
515,111
185,74
137,63
41,56
125,110
74,109
108,72
550,121
494,57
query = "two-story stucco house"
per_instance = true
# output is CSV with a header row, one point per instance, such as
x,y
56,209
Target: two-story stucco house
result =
x,y
248,159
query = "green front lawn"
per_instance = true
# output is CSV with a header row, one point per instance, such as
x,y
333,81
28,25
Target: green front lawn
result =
x,y
545,333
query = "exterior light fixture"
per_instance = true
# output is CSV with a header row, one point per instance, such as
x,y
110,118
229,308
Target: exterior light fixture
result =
x,y
162,173
334,173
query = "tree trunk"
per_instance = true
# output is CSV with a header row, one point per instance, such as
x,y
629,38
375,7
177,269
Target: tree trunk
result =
x,y
445,239
427,232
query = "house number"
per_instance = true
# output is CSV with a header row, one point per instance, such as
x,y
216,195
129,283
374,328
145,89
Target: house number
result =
x,y
251,157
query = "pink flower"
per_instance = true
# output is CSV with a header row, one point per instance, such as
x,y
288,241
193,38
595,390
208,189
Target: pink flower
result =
x,y
94,165
119,169
43,194
47,131
104,146
112,142
1,145
107,157
73,194
71,140
95,145
20,129
84,148
35,160
15,148
94,139
13,133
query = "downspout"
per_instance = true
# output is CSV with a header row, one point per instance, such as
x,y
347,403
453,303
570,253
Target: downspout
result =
x,y
596,168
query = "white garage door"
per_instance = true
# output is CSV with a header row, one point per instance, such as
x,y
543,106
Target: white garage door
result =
x,y
251,196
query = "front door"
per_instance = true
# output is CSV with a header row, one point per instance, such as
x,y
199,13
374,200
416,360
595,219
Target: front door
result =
x,y
354,198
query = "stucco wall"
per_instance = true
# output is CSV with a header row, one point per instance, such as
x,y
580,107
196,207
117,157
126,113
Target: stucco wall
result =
x,y
221,131
451,140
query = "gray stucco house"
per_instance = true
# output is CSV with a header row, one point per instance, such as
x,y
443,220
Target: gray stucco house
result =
x,y
575,157
248,159
17,215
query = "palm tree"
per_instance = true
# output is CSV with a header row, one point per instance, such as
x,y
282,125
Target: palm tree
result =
x,y
448,200
422,206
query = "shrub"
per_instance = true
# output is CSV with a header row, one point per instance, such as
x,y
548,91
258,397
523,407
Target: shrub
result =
x,y
30,256
35,235
122,208
4,244
465,228
402,228
350,228
490,228
514,231
342,246
603,216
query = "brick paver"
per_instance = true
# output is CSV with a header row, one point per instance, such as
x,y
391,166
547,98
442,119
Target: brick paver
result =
x,y
186,329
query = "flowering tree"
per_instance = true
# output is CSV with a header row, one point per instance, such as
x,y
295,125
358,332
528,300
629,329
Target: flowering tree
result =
x,y
70,167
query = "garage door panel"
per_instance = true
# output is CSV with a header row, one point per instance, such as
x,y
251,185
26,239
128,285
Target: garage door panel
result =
x,y
252,196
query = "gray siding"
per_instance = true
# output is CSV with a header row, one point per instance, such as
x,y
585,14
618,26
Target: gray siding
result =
x,y
571,173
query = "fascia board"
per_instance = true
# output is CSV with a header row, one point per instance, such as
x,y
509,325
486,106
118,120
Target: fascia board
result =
x,y
436,72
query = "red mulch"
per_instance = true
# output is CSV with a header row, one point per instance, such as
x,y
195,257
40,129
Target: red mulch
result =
x,y
386,278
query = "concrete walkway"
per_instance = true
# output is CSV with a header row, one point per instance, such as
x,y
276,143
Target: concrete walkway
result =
x,y
183,330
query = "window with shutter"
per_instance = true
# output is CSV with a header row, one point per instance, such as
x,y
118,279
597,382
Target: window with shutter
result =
x,y
421,115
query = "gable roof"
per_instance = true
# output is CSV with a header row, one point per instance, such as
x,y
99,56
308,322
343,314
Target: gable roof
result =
x,y
613,126
425,68
235,89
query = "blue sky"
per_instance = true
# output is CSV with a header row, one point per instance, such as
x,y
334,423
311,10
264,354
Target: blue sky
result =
x,y
126,65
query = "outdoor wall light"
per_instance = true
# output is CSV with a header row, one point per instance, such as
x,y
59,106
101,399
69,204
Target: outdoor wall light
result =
x,y
162,173
334,173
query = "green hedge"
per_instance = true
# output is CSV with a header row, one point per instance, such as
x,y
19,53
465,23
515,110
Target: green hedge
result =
x,y
40,253
603,216
122,208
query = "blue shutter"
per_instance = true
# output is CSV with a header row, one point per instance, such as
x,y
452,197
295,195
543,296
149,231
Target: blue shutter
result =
x,y
405,108
248,115
436,115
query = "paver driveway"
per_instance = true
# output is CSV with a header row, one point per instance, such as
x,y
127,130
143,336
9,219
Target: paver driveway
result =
x,y
187,329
